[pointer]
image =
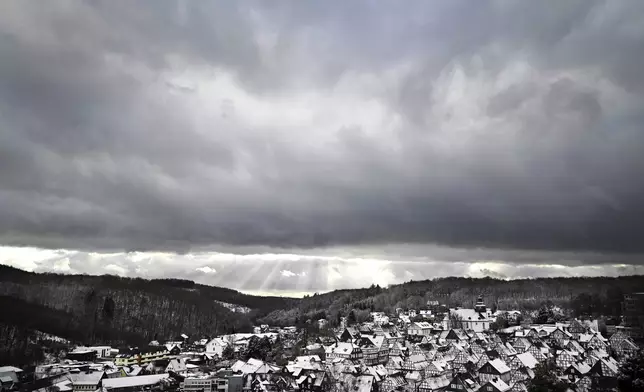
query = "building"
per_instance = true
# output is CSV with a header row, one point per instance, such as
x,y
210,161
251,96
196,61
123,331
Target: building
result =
x,y
101,351
142,356
345,350
216,347
494,369
379,318
478,319
374,350
87,382
633,312
82,354
134,383
495,385
222,381
200,384
420,328
176,366
10,372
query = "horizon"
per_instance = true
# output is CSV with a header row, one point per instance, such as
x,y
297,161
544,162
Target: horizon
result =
x,y
281,147
301,295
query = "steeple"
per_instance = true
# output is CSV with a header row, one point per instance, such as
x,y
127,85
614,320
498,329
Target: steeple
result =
x,y
480,305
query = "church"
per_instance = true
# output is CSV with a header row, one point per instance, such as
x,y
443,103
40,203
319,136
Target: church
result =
x,y
477,319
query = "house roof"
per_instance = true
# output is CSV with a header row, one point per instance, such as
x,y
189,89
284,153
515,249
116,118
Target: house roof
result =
x,y
498,384
177,365
88,378
528,360
308,358
581,367
435,383
629,342
134,371
499,365
611,364
440,365
135,381
7,369
341,348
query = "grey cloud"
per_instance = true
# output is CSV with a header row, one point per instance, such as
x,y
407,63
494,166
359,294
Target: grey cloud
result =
x,y
99,151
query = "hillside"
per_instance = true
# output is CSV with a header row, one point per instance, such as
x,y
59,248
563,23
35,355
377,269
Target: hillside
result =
x,y
113,309
591,296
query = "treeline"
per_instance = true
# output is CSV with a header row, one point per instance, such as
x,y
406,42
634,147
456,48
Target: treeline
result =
x,y
34,317
23,326
261,305
108,309
19,346
584,296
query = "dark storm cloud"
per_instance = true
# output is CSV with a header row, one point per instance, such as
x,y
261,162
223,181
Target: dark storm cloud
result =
x,y
175,125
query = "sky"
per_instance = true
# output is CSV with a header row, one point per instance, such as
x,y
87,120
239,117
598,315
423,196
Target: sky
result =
x,y
290,147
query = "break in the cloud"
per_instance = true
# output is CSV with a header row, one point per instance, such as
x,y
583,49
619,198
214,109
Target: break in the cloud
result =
x,y
176,126
296,275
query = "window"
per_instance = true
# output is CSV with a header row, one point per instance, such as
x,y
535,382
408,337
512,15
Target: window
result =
x,y
489,388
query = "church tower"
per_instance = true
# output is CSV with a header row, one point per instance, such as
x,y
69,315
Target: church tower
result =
x,y
480,305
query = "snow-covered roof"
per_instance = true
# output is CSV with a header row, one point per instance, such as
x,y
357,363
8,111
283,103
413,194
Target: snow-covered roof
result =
x,y
499,384
308,358
499,365
135,381
253,366
341,348
581,367
528,360
7,369
88,378
435,383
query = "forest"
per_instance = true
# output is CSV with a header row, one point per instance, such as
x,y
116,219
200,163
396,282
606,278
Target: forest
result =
x,y
583,297
117,311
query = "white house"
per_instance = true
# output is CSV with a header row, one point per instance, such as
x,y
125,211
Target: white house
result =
x,y
216,346
101,351
380,318
420,328
176,365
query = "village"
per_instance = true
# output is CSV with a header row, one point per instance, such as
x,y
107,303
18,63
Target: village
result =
x,y
461,350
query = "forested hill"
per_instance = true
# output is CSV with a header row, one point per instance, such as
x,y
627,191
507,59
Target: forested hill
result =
x,y
128,310
112,309
587,296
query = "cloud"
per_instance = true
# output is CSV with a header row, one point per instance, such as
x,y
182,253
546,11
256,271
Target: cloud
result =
x,y
180,127
207,270
287,273
297,275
